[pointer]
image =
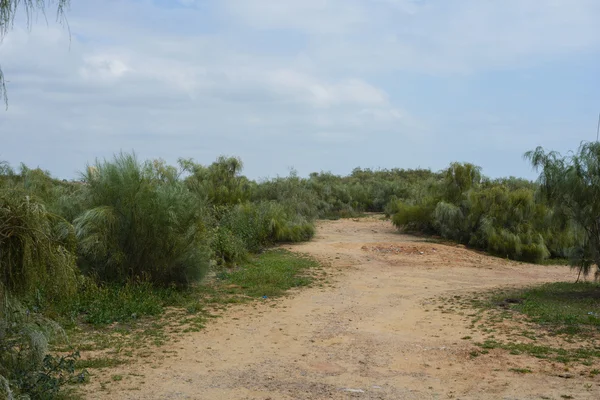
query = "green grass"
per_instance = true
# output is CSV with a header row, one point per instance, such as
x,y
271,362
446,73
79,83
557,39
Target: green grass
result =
x,y
558,354
555,321
521,370
569,308
268,274
98,363
104,305
126,320
271,274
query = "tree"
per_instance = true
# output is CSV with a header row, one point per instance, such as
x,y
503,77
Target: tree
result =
x,y
140,223
572,185
8,11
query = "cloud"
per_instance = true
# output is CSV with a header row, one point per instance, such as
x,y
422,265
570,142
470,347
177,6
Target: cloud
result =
x,y
429,35
311,16
307,82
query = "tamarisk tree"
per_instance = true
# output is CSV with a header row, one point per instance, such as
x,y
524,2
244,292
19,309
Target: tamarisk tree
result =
x,y
572,185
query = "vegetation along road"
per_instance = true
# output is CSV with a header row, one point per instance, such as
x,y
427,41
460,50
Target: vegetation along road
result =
x,y
399,321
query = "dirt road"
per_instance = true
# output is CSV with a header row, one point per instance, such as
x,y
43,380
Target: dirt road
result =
x,y
374,335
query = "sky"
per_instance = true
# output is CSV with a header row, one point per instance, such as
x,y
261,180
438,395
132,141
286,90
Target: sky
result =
x,y
313,85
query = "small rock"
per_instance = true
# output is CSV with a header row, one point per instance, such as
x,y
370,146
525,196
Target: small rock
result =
x,y
354,390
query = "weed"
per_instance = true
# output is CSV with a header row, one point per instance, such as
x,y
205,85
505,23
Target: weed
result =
x,y
521,370
98,363
272,274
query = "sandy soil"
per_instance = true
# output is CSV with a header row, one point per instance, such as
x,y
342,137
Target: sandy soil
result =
x,y
374,335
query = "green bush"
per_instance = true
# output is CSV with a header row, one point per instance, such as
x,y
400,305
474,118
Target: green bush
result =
x,y
37,248
141,223
501,216
259,225
571,185
228,248
449,221
294,193
26,368
413,217
219,184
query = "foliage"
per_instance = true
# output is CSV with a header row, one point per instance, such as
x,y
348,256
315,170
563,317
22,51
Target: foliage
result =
x,y
459,179
571,185
37,248
121,244
365,190
413,217
500,216
105,304
262,224
26,368
140,223
228,247
295,194
219,184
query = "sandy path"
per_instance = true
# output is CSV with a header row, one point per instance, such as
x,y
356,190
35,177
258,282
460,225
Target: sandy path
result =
x,y
374,332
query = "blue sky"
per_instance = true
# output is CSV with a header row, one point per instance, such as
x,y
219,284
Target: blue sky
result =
x,y
310,84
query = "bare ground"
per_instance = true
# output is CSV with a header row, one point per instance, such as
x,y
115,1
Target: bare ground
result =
x,y
374,335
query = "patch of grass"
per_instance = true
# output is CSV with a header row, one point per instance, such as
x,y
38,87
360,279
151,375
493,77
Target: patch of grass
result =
x,y
100,305
272,273
556,321
569,307
133,310
544,352
521,370
125,322
98,363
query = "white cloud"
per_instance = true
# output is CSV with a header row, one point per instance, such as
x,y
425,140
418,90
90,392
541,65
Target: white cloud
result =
x,y
314,16
322,94
288,76
431,35
104,67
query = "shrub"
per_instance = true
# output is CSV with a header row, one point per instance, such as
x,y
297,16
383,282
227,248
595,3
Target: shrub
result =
x,y
261,224
37,248
449,221
294,193
413,217
219,184
26,368
228,248
571,184
141,223
499,216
